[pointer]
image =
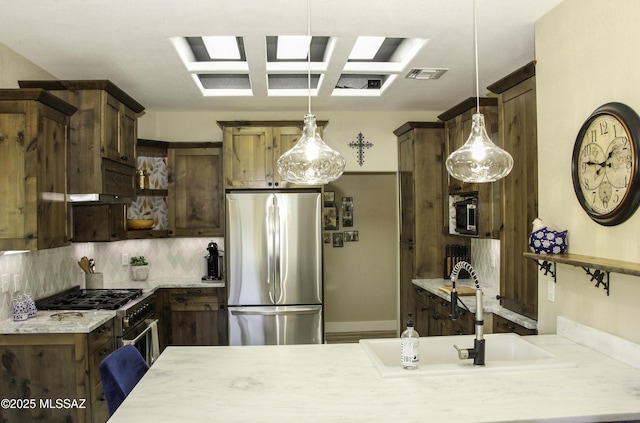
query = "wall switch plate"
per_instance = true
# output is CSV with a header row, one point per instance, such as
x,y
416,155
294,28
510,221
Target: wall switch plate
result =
x,y
551,291
5,283
17,282
125,259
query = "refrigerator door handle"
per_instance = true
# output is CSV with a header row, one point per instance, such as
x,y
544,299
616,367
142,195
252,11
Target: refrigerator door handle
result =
x,y
256,311
271,251
277,248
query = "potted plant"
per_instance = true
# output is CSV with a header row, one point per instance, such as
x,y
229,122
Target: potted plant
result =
x,y
139,268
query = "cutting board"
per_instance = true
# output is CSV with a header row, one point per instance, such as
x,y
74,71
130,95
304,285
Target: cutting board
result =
x,y
462,290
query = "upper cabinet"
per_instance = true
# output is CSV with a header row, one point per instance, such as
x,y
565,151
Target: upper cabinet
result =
x,y
252,149
103,136
34,131
458,121
517,106
196,191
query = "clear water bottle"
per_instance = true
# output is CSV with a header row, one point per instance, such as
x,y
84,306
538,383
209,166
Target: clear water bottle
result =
x,y
410,350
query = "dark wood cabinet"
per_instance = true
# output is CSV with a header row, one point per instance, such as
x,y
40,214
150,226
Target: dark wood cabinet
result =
x,y
517,115
502,325
252,149
102,146
196,190
422,239
432,316
193,316
458,122
99,222
52,366
34,134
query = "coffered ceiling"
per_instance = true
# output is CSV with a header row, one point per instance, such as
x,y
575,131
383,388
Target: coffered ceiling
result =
x,y
154,50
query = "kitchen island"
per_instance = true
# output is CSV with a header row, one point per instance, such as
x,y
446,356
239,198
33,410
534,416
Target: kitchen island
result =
x,y
335,383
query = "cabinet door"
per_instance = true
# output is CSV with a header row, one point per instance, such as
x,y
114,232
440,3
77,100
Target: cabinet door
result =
x,y
198,317
284,139
111,128
518,274
128,135
119,131
248,157
196,194
406,180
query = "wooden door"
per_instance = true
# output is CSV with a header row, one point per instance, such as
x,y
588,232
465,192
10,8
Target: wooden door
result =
x,y
128,135
196,192
248,157
111,127
519,275
198,317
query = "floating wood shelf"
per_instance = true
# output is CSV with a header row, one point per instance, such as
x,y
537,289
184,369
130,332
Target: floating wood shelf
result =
x,y
601,266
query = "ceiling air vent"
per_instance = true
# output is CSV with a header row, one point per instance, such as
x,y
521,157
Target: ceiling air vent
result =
x,y
426,73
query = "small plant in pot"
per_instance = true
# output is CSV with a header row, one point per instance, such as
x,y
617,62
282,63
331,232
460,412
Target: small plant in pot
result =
x,y
139,268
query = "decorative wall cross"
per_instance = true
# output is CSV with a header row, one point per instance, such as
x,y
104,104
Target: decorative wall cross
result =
x,y
361,144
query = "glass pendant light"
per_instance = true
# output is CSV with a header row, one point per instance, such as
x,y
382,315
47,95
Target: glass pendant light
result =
x,y
310,161
479,159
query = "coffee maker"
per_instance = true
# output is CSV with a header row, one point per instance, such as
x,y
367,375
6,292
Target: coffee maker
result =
x,y
214,263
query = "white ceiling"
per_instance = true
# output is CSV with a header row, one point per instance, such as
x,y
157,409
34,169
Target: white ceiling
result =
x,y
129,43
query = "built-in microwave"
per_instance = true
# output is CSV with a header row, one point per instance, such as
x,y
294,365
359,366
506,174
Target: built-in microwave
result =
x,y
463,215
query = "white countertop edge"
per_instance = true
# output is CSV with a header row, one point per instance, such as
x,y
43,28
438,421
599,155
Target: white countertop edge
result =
x,y
490,303
605,343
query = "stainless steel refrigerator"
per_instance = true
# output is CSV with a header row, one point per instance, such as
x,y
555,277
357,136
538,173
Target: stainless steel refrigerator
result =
x,y
274,267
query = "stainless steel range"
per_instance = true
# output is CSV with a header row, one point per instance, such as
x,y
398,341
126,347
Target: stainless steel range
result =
x,y
135,321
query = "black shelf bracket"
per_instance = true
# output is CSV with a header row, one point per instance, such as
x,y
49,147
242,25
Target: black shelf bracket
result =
x,y
548,267
600,278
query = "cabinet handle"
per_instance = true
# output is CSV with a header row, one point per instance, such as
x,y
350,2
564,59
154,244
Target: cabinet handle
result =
x,y
269,183
105,351
276,184
499,297
125,158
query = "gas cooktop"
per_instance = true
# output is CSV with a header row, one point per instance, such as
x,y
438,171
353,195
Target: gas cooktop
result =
x,y
88,299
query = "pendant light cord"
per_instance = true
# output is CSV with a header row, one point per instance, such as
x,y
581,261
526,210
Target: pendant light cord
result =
x,y
475,47
309,53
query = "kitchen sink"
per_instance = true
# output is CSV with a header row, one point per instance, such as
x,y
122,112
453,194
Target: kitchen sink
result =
x,y
504,352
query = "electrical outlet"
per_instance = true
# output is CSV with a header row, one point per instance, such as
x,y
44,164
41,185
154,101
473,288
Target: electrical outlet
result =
x,y
17,282
551,291
125,259
5,283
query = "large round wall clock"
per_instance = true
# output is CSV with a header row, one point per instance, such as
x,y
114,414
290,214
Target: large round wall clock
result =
x,y
605,164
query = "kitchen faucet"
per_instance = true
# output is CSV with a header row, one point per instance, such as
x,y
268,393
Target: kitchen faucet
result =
x,y
477,352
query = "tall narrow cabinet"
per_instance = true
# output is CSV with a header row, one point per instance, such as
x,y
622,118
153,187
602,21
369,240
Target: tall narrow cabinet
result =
x,y
420,178
517,116
34,138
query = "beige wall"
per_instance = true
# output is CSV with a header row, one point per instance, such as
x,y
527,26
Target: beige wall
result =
x,y
14,68
361,278
587,55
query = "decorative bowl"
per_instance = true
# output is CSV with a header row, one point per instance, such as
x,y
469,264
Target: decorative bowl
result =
x,y
139,223
548,241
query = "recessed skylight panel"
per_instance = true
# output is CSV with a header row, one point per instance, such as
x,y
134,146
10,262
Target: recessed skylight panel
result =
x,y
366,48
292,47
222,47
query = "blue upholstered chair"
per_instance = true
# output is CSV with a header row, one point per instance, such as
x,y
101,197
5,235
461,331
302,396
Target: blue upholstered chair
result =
x,y
120,371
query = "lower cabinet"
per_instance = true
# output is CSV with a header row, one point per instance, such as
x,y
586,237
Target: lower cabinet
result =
x,y
432,316
57,374
502,325
192,316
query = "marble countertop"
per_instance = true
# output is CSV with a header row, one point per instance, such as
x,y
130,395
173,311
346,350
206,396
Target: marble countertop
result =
x,y
338,383
43,322
92,319
490,303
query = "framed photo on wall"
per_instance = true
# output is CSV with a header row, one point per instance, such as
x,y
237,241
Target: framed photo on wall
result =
x,y
330,218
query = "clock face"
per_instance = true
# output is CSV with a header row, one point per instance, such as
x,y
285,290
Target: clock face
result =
x,y
605,164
